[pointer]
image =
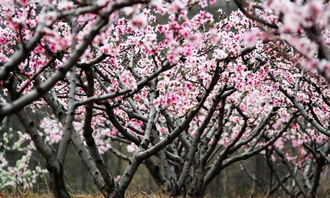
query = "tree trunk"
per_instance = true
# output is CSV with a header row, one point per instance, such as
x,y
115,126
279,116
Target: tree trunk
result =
x,y
197,188
54,167
118,194
197,192
320,162
57,181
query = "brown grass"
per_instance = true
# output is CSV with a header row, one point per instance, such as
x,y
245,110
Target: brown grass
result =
x,y
32,195
140,195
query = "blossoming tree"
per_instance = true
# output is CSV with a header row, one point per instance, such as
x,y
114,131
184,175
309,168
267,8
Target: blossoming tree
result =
x,y
189,96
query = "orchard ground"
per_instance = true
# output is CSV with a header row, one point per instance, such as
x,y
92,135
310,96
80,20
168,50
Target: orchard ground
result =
x,y
324,194
31,195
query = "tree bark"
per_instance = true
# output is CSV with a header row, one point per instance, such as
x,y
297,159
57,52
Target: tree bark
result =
x,y
197,187
57,181
54,167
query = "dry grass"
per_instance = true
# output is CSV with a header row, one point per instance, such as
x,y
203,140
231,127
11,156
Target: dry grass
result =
x,y
32,195
141,195
150,196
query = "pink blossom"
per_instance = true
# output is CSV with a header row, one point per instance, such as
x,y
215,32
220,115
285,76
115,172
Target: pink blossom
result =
x,y
251,38
227,27
212,1
65,5
295,143
132,148
139,21
6,3
175,7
